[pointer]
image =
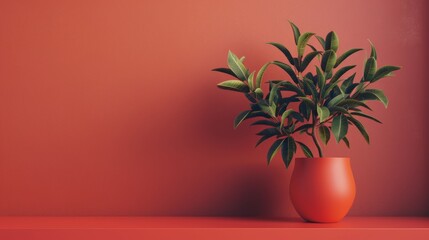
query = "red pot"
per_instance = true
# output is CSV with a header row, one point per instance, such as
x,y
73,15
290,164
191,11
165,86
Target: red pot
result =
x,y
322,189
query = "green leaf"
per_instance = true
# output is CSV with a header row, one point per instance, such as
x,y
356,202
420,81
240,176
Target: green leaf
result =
x,y
353,103
324,134
268,109
274,149
334,101
365,116
287,69
360,127
284,116
370,69
308,59
346,55
328,60
254,114
374,94
341,72
265,122
269,132
335,109
296,32
240,118
273,94
346,141
288,150
284,50
237,66
373,51
339,127
320,78
234,85
261,74
331,41
263,138
259,93
226,71
321,41
287,86
302,43
303,127
384,71
308,101
250,81
323,113
305,149
304,110
348,82
310,85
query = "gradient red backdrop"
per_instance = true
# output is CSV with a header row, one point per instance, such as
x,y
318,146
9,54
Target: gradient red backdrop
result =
x,y
110,107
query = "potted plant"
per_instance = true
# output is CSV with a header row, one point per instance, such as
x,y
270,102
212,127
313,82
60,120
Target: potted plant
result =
x,y
318,101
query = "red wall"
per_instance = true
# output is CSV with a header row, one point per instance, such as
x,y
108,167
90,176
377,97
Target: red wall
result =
x,y
110,107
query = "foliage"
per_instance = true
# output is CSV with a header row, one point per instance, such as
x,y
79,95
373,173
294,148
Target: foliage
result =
x,y
320,103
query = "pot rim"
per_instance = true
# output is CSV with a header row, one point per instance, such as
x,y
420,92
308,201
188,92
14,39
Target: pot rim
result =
x,y
322,158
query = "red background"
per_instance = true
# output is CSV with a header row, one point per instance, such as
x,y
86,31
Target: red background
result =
x,y
110,108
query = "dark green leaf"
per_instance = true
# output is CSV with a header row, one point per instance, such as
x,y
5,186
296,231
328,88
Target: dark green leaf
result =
x,y
348,82
305,149
331,41
335,109
284,50
240,118
303,127
310,85
287,86
265,122
269,132
370,69
323,113
346,55
328,60
287,69
321,41
234,85
307,60
339,127
284,116
304,110
385,71
236,65
341,72
324,134
350,103
320,78
260,75
346,141
263,138
259,94
374,94
226,71
296,32
258,114
302,43
274,149
366,116
360,127
309,102
288,150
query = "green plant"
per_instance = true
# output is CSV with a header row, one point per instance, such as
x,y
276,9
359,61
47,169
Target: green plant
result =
x,y
315,103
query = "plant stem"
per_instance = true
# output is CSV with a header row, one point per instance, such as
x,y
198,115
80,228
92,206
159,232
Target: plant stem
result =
x,y
313,135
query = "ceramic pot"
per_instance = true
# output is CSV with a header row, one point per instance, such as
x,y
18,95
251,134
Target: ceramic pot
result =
x,y
322,189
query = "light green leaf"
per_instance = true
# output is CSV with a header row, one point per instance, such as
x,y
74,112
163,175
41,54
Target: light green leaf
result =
x,y
237,66
309,102
296,32
240,118
328,60
373,51
259,93
270,110
234,85
288,150
331,41
324,134
250,81
339,127
384,71
321,41
305,149
284,116
334,101
274,149
284,50
346,55
360,127
320,78
261,74
273,94
302,43
370,69
323,113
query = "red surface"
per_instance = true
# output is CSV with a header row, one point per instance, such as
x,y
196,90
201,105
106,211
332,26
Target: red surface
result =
x,y
209,228
322,189
110,108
